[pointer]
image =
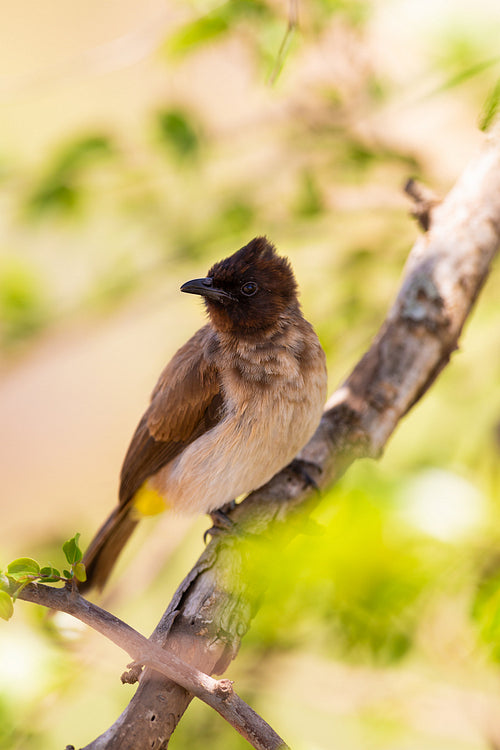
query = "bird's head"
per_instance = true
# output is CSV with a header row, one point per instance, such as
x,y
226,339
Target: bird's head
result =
x,y
248,292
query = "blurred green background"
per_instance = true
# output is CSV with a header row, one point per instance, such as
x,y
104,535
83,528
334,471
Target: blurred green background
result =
x,y
139,143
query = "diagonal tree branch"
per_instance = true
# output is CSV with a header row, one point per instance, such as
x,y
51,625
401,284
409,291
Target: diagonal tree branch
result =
x,y
218,694
214,605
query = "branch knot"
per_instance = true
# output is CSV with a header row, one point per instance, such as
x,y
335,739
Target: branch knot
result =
x,y
225,689
423,305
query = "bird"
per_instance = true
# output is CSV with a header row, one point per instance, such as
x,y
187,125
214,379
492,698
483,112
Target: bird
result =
x,y
234,405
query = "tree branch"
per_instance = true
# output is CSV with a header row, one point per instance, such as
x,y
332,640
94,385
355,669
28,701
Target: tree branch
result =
x,y
214,605
218,694
424,200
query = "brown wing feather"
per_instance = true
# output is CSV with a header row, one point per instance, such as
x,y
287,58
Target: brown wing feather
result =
x,y
186,402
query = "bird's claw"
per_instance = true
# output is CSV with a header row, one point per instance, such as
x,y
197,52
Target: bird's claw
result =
x,y
222,524
302,468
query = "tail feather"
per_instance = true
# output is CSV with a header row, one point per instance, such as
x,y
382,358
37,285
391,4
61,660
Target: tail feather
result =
x,y
104,549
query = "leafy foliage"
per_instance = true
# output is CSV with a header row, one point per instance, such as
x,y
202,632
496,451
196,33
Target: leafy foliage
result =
x,y
25,570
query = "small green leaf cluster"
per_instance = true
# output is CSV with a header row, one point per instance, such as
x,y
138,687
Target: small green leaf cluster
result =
x,y
24,570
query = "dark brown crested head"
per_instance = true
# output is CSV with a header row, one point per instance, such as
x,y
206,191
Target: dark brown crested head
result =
x,y
249,291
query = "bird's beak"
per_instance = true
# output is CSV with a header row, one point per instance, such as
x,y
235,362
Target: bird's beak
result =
x,y
205,288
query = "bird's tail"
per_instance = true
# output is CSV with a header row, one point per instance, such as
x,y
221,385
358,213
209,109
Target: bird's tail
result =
x,y
105,547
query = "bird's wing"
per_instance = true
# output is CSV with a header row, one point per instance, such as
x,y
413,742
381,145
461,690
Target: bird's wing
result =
x,y
186,402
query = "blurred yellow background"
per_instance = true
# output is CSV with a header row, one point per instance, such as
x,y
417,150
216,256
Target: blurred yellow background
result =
x,y
141,142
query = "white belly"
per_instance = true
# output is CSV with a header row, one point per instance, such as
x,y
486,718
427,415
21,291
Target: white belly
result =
x,y
243,451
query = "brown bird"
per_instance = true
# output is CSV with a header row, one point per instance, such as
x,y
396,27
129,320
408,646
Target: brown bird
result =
x,y
234,405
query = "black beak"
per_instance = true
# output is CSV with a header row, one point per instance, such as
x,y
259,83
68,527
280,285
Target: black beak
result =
x,y
205,288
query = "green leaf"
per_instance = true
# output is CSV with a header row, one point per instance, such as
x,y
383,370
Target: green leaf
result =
x,y
79,572
177,131
197,33
4,582
72,550
207,29
83,151
49,574
6,606
491,108
23,566
21,585
465,74
23,302
67,574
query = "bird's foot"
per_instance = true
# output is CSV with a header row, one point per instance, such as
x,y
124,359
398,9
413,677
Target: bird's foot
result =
x,y
222,524
303,469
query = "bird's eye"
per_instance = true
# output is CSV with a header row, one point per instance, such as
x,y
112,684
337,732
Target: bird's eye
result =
x,y
249,288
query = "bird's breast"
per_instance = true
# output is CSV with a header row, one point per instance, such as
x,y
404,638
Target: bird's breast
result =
x,y
271,410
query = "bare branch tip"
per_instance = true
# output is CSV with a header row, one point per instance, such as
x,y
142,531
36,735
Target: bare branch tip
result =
x,y
425,200
225,688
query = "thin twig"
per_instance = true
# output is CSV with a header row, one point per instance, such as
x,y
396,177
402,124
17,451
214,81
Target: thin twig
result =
x,y
425,200
218,694
293,20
